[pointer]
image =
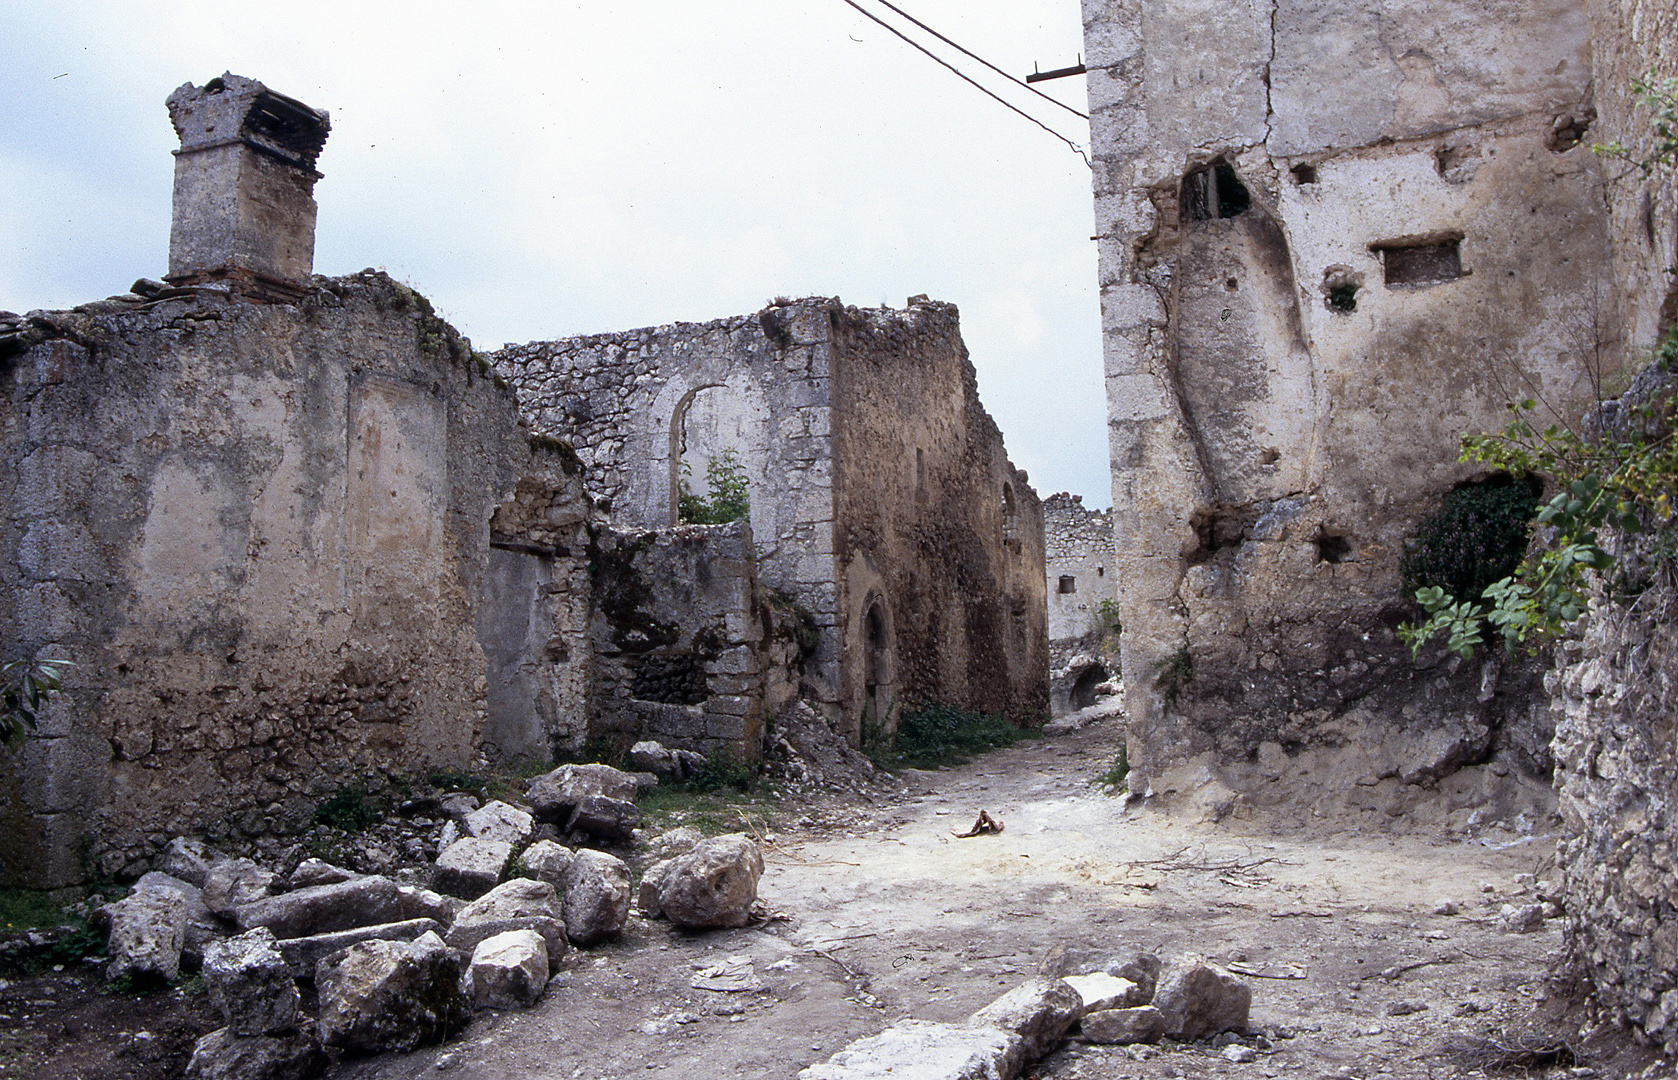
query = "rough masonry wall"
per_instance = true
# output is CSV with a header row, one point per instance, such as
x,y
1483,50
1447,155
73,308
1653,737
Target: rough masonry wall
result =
x,y
688,651
261,533
638,405
1333,237
939,539
1078,545
1632,40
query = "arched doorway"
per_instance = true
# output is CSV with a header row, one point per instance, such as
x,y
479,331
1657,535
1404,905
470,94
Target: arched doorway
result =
x,y
876,666
1085,689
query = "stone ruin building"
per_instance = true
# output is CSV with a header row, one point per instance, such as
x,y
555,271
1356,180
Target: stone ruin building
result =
x,y
882,502
293,531
1333,238
1083,644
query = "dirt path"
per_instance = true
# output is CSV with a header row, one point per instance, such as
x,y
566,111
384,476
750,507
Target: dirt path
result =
x,y
887,916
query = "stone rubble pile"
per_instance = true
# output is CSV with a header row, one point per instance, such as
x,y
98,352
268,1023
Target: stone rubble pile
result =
x,y
1130,1000
396,965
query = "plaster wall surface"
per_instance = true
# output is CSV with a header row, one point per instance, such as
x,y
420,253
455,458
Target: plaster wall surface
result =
x,y
1272,449
262,534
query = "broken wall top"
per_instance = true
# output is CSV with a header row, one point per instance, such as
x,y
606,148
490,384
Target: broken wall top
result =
x,y
233,108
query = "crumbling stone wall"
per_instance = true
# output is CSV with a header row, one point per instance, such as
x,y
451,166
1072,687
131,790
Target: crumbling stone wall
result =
x,y
1632,40
938,538
640,404
882,501
1333,237
688,651
1078,557
262,534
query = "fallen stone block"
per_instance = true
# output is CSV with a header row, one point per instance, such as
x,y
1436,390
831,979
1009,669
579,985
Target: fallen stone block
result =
x,y
1197,1001
377,996
714,884
188,860
418,903
303,954
1102,991
596,897
507,971
921,1050
646,894
233,882
249,982
323,909
1122,1027
611,820
1521,918
499,821
317,872
226,1055
201,926
553,796
1141,968
1040,1012
147,930
546,861
466,936
652,756
470,867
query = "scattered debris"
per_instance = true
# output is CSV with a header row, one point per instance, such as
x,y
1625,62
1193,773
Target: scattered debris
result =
x,y
984,826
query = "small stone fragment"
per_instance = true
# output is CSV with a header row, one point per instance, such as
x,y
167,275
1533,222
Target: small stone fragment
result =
x,y
508,970
546,861
317,872
596,897
499,821
1122,1027
611,820
470,867
1237,1054
1101,991
1521,918
1198,1000
232,882
553,796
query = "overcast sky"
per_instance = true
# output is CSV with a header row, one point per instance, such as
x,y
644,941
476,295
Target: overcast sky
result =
x,y
542,170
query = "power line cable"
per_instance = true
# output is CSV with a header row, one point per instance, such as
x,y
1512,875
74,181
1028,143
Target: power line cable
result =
x,y
982,60
964,77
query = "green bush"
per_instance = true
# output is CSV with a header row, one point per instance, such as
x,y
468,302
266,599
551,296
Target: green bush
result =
x,y
1478,535
729,498
929,736
349,810
1117,773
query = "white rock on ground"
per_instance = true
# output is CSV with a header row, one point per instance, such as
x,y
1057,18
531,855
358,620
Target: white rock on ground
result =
x,y
922,1050
1101,991
1122,1027
391,995
546,861
418,903
507,971
714,884
147,933
646,894
500,821
201,926
470,867
249,982
224,1055
1039,1011
518,904
553,796
596,897
1198,1000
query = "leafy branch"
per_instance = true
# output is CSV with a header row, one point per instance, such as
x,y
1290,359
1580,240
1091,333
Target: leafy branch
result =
x,y
25,688
1660,97
728,498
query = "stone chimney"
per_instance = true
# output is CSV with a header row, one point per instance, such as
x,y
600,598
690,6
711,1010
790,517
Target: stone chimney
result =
x,y
244,188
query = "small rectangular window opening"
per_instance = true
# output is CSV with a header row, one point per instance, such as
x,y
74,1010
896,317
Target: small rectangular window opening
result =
x,y
1068,583
1420,263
